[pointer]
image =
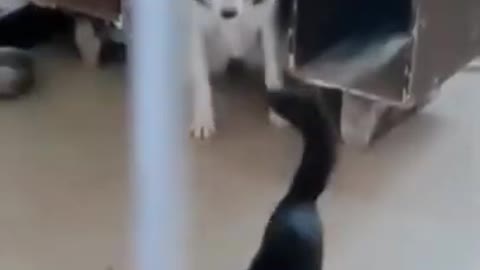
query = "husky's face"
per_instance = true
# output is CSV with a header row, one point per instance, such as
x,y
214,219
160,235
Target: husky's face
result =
x,y
229,9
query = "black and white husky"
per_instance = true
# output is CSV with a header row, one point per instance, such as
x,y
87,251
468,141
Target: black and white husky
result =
x,y
236,24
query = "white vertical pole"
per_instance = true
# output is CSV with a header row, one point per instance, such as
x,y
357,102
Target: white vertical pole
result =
x,y
158,146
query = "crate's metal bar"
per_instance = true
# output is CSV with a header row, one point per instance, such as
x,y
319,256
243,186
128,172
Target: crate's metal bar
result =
x,y
158,147
474,65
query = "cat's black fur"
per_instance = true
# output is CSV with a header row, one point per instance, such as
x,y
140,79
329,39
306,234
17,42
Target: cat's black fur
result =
x,y
293,236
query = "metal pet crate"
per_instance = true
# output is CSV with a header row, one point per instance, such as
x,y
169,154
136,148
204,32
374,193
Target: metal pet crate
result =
x,y
388,58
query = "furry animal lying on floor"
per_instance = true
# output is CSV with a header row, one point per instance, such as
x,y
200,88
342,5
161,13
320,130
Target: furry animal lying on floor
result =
x,y
16,72
20,30
31,26
293,237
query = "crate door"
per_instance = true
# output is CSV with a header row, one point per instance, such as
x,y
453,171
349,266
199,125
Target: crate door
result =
x,y
361,47
447,37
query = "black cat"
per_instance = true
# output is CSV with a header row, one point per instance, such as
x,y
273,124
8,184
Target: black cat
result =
x,y
31,25
293,236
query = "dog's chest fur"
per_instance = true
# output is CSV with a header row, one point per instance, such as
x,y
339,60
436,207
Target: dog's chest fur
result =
x,y
232,38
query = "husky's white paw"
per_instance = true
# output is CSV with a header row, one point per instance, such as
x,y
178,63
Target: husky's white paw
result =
x,y
277,120
203,125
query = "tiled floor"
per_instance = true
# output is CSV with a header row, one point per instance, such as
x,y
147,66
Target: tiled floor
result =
x,y
412,202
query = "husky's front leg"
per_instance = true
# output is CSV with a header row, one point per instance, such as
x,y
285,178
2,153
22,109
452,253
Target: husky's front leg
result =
x,y
273,71
203,124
